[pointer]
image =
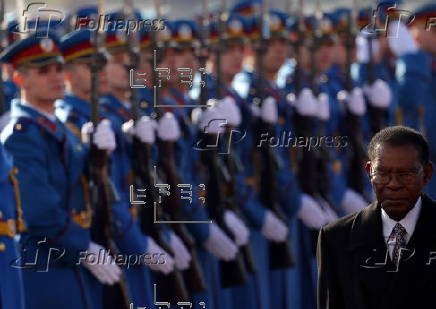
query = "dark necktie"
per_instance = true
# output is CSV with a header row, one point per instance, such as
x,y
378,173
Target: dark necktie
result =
x,y
399,236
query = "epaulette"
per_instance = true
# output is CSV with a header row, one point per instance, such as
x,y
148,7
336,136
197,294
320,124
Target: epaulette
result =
x,y
144,104
42,123
22,124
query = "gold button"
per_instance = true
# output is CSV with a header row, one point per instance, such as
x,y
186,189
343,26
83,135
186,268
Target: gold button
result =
x,y
2,246
18,126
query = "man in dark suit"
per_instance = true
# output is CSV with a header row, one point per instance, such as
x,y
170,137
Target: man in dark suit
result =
x,y
384,256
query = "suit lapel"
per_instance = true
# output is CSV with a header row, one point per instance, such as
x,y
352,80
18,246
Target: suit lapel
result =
x,y
369,258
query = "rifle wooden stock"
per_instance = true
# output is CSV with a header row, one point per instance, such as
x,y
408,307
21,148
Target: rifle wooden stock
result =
x,y
171,287
103,195
280,255
194,275
233,166
233,273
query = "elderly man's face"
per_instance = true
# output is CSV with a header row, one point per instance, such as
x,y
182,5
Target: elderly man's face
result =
x,y
398,178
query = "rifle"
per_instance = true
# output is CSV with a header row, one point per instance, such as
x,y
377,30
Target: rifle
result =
x,y
354,122
102,190
233,273
2,46
377,114
279,252
303,124
231,164
229,168
173,288
321,155
203,51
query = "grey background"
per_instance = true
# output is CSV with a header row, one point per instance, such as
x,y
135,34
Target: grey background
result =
x,y
175,9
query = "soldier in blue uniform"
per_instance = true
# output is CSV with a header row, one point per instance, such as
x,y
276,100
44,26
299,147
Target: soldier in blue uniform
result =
x,y
416,74
236,111
277,111
212,243
75,110
11,223
49,160
373,75
10,88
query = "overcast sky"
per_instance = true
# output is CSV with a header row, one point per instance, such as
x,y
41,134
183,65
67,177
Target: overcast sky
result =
x,y
188,8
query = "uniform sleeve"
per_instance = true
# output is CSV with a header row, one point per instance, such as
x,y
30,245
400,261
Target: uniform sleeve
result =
x,y
43,207
413,76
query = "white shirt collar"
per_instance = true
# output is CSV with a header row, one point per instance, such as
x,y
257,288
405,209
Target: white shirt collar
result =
x,y
408,222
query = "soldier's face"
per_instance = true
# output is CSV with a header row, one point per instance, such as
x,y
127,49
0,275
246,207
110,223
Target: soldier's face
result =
x,y
169,62
324,57
44,83
396,197
144,64
185,58
276,54
80,77
340,52
117,76
232,58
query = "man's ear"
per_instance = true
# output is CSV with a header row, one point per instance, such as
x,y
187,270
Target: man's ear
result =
x,y
428,172
368,168
17,78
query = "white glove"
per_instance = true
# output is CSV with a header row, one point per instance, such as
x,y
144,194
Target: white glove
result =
x,y
104,268
168,128
311,213
273,228
355,101
181,255
268,110
362,50
329,213
306,104
219,244
103,138
155,250
323,107
143,129
4,119
230,111
237,227
379,94
212,121
353,202
400,39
